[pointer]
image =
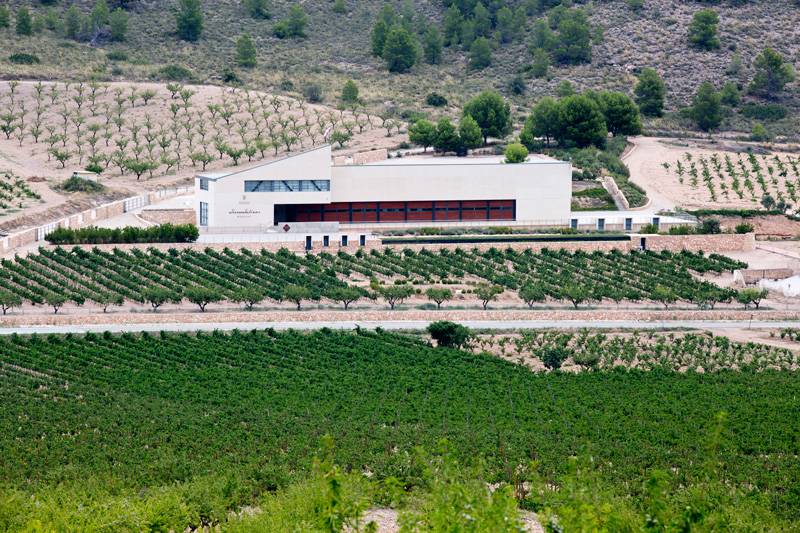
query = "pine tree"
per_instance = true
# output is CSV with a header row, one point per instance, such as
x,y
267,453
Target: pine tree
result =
x,y
350,92
433,46
118,24
400,50
469,133
24,22
706,107
189,20
649,93
480,54
246,51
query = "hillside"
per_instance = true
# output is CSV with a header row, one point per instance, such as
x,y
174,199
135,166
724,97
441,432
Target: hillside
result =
x,y
337,47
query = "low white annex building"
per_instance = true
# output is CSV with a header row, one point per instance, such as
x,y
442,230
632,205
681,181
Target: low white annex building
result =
x,y
307,193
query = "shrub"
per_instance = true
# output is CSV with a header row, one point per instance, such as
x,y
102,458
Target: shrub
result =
x,y
128,234
117,55
313,93
77,184
709,226
764,111
744,227
21,58
175,73
516,153
554,357
648,229
435,100
449,334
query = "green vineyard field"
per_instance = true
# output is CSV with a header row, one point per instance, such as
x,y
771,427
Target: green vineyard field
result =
x,y
135,412
81,275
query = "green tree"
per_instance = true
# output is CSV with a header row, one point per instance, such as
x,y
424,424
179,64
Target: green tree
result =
x,y
581,123
574,42
378,37
341,137
729,94
772,73
751,296
118,24
649,92
706,107
395,294
575,294
297,21
423,133
620,112
258,9
350,92
452,26
72,22
202,296
296,294
100,15
339,7
492,113
508,25
516,153
9,300
107,299
664,295
439,295
156,297
531,293
24,21
189,20
469,134
703,29
246,51
432,46
487,292
449,334
249,296
541,63
759,133
480,54
5,17
400,50
344,295
55,300
543,122
447,139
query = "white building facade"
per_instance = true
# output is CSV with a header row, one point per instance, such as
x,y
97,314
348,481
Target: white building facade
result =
x,y
306,189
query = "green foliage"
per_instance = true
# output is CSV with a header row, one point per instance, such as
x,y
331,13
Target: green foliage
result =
x,y
664,295
341,137
650,91
246,51
400,50
480,54
174,72
339,7
432,46
751,296
449,334
492,113
541,63
531,293
24,22
22,58
764,111
128,234
435,100
118,24
78,184
516,153
580,122
759,133
344,295
394,294
620,112
706,108
9,300
772,74
5,17
438,295
350,92
553,357
423,133
202,296
469,134
313,93
447,139
729,94
296,294
258,9
250,296
703,29
189,20
573,44
744,227
487,292
543,122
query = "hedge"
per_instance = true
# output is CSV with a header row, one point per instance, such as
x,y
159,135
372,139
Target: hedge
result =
x,y
128,234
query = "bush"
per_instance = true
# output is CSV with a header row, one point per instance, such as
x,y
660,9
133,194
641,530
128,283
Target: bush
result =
x,y
21,58
744,227
709,226
117,55
516,153
313,93
76,184
649,229
175,73
128,234
436,100
449,334
764,111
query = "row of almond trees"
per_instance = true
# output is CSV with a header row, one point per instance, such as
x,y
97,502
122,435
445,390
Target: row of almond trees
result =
x,y
153,130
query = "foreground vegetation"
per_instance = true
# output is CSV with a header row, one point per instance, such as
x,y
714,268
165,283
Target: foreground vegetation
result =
x,y
55,277
132,430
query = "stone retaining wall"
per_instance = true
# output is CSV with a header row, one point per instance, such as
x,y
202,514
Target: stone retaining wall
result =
x,y
169,216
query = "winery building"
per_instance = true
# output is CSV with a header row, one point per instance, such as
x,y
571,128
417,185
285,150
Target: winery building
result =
x,y
307,191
